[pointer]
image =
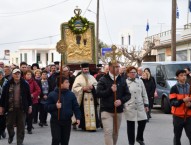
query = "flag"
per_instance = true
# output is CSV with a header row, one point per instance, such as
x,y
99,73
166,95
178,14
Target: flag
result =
x,y
147,27
189,5
177,12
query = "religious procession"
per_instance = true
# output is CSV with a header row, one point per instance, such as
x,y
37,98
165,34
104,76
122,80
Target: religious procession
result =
x,y
79,94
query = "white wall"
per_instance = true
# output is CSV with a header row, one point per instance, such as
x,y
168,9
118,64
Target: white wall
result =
x,y
32,54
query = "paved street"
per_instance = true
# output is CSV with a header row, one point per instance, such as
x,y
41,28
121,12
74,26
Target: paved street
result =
x,y
158,132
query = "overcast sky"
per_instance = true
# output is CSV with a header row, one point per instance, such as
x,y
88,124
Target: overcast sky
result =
x,y
22,20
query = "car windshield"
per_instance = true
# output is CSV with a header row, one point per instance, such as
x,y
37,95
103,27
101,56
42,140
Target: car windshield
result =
x,y
172,68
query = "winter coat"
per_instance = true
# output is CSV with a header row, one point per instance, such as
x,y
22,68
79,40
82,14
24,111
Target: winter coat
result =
x,y
52,81
69,105
149,86
177,93
34,90
26,100
106,94
134,109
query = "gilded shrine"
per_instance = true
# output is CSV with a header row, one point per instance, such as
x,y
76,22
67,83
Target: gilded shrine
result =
x,y
77,40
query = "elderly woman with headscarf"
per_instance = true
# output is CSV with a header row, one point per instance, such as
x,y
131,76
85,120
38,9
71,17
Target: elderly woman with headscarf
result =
x,y
136,108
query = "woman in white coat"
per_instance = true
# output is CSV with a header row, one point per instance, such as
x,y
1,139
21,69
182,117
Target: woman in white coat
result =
x,y
135,109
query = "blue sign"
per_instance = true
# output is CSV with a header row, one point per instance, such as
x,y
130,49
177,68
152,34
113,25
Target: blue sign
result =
x,y
105,50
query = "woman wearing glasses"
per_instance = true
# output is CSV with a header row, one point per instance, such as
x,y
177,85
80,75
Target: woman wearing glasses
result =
x,y
135,109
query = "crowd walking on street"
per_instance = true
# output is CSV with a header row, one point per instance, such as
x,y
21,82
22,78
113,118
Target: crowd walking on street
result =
x,y
86,100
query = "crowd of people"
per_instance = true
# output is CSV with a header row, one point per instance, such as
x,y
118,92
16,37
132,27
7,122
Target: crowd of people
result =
x,y
85,101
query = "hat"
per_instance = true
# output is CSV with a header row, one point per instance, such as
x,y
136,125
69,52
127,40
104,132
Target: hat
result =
x,y
35,64
16,70
99,65
56,62
84,65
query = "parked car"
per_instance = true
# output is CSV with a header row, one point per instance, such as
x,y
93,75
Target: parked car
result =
x,y
164,74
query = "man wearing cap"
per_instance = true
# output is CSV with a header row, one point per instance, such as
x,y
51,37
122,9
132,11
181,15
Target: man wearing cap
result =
x,y
56,63
16,102
98,71
84,88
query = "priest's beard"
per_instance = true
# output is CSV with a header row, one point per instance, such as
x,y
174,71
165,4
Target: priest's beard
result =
x,y
86,74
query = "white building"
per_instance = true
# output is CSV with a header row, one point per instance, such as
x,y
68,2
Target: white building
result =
x,y
163,44
41,54
6,57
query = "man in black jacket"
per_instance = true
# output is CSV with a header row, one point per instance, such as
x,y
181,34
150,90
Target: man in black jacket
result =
x,y
105,90
52,78
16,102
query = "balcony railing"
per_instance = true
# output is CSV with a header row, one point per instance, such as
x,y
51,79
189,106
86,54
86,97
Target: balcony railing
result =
x,y
162,34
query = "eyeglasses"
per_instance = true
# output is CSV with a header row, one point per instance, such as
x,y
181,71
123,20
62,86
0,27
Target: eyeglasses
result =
x,y
132,72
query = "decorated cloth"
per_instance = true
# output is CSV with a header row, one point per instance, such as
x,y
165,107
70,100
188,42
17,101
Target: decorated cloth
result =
x,y
87,101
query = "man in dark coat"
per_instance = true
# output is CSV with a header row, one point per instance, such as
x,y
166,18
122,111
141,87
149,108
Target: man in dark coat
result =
x,y
16,102
105,90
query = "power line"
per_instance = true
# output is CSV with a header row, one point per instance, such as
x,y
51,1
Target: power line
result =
x,y
35,39
87,7
11,14
106,23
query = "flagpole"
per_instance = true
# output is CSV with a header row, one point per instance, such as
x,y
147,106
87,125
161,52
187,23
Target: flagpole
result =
x,y
177,11
188,11
147,27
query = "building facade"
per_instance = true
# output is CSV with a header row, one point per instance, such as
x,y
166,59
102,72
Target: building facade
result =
x,y
163,44
41,54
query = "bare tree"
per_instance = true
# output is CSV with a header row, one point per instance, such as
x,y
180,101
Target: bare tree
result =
x,y
135,55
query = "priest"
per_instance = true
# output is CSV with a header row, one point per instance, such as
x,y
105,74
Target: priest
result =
x,y
84,88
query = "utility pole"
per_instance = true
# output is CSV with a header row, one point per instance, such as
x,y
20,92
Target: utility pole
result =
x,y
97,33
188,12
173,31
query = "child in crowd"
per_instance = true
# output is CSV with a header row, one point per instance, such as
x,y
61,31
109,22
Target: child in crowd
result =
x,y
181,107
61,125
